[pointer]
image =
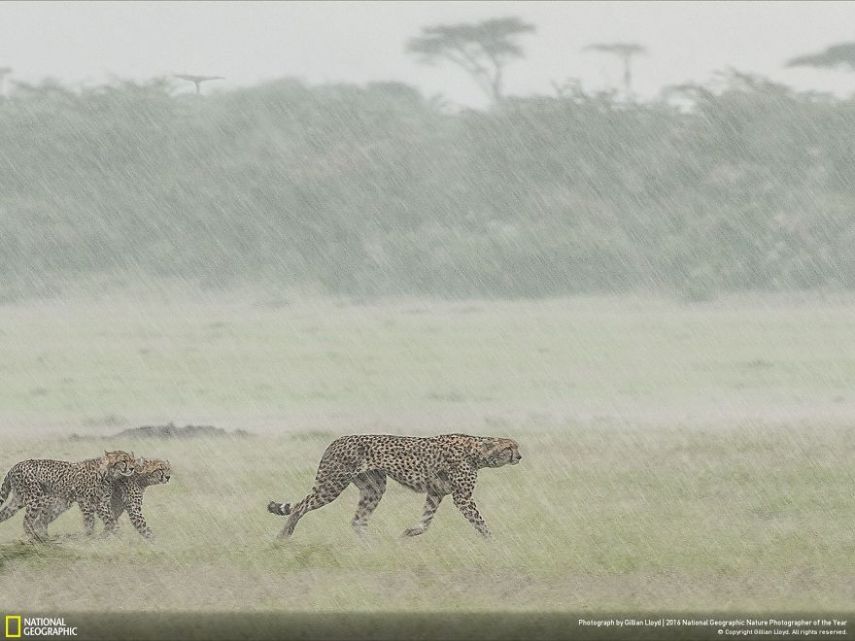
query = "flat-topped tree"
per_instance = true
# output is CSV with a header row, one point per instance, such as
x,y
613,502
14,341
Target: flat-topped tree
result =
x,y
197,80
481,49
623,50
840,56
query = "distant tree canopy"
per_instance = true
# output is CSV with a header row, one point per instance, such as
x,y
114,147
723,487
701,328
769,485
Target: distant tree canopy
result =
x,y
482,49
375,190
840,56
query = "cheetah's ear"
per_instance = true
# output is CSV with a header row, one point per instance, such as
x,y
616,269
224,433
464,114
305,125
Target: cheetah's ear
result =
x,y
106,454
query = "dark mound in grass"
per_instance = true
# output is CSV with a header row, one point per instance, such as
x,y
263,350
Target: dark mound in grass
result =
x,y
174,431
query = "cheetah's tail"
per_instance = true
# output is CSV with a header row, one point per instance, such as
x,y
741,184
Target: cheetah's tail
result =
x,y
280,509
7,487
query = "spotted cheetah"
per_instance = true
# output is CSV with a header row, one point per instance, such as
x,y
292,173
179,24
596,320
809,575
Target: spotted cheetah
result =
x,y
128,491
437,466
46,488
127,494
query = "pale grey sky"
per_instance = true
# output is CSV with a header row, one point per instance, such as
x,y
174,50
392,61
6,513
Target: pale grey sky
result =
x,y
364,41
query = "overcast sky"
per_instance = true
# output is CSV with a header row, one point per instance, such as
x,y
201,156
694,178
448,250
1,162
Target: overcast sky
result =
x,y
364,41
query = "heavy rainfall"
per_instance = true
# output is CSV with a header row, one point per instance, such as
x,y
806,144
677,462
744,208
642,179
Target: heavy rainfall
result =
x,y
650,292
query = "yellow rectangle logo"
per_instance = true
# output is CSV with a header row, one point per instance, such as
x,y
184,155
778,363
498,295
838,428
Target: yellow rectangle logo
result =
x,y
13,626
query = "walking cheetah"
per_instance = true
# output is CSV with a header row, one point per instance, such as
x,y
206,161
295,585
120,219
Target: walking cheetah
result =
x,y
128,491
437,466
127,494
46,488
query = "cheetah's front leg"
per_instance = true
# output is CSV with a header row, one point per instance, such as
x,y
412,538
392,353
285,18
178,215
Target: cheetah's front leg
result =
x,y
88,512
138,521
431,504
466,505
134,507
105,511
464,486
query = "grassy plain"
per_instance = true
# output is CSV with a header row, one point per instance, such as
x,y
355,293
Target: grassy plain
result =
x,y
675,456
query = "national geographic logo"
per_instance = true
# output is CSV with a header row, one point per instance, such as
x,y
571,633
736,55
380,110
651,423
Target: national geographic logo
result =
x,y
13,626
20,627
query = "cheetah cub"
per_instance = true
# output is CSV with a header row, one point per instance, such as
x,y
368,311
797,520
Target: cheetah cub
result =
x,y
46,488
128,491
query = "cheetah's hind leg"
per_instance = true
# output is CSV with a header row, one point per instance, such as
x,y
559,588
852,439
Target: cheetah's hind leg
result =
x,y
325,491
371,486
279,509
432,502
10,507
35,521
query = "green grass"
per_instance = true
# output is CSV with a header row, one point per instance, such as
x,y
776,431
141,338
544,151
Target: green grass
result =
x,y
90,364
679,457
594,518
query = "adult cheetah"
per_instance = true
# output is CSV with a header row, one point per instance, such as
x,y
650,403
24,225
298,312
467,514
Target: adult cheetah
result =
x,y
437,466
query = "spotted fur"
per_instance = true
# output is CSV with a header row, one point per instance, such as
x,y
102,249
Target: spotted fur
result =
x,y
47,487
128,491
437,466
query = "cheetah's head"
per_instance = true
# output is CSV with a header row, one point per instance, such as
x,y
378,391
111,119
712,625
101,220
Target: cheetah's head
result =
x,y
496,452
118,463
155,471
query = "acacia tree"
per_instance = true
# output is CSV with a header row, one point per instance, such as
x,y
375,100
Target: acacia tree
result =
x,y
623,50
196,80
481,49
840,56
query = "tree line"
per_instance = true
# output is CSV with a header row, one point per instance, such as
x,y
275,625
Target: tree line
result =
x,y
378,190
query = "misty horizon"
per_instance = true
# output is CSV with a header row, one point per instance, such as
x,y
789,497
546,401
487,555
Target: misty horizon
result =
x,y
85,44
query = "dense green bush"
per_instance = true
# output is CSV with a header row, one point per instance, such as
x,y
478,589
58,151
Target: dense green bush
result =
x,y
377,190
